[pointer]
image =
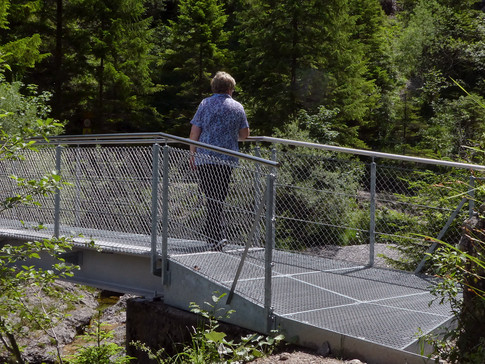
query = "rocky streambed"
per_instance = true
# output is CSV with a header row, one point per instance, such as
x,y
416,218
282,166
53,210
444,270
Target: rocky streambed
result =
x,y
109,307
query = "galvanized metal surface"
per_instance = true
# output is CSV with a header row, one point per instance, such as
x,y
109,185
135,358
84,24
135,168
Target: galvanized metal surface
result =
x,y
313,299
383,306
135,201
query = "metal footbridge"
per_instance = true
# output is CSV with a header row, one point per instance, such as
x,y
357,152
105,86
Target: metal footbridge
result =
x,y
132,207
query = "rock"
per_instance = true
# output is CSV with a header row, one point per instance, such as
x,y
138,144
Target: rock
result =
x,y
324,350
38,346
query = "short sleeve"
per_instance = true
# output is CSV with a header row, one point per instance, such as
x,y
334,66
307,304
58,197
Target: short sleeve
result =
x,y
197,119
244,120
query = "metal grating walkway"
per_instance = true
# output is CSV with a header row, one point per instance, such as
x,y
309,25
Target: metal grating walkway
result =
x,y
382,306
371,305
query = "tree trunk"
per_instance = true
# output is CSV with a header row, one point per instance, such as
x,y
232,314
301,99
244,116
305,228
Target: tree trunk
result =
x,y
58,61
100,115
472,317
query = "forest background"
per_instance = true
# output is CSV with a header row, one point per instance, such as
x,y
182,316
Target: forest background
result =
x,y
373,74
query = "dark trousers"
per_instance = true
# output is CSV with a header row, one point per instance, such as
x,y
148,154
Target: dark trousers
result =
x,y
214,182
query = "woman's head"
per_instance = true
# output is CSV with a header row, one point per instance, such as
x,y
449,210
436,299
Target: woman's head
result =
x,y
222,83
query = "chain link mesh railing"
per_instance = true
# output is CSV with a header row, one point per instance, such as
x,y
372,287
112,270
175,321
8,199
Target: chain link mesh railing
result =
x,y
356,208
218,202
108,193
332,210
108,196
34,166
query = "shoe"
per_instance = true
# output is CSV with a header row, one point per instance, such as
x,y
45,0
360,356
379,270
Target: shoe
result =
x,y
219,245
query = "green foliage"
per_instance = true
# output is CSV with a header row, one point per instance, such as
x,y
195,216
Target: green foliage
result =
x,y
434,38
422,206
24,53
462,271
195,49
297,55
21,50
312,186
456,124
27,291
453,266
4,4
24,111
99,349
109,45
130,65
23,305
210,345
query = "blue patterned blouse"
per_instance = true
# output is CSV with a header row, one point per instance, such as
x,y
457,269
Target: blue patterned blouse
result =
x,y
220,117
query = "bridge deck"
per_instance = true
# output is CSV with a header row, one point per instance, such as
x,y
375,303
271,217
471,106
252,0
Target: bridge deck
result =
x,y
379,305
373,305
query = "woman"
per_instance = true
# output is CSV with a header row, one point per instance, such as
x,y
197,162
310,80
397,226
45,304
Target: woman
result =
x,y
219,121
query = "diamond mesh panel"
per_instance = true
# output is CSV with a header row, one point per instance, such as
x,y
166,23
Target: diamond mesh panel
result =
x,y
212,202
109,192
316,198
34,166
323,203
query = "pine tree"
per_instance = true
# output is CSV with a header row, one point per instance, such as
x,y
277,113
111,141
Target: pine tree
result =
x,y
303,55
196,50
374,32
108,53
20,36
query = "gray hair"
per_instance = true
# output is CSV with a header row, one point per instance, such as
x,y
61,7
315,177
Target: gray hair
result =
x,y
222,83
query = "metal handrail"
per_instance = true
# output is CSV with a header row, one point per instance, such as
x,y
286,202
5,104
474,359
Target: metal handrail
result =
x,y
145,138
159,137
368,153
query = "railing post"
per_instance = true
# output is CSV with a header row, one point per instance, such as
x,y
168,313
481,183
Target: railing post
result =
x,y
77,201
165,212
270,243
257,191
57,196
372,224
273,199
154,212
471,196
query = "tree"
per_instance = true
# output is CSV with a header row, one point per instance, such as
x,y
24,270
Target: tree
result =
x,y
92,55
439,40
196,49
108,61
303,55
19,50
374,32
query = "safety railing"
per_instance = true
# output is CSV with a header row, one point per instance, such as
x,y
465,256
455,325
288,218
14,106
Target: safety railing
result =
x,y
357,205
138,193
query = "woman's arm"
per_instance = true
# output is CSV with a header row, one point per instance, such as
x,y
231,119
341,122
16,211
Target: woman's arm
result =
x,y
243,133
194,135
